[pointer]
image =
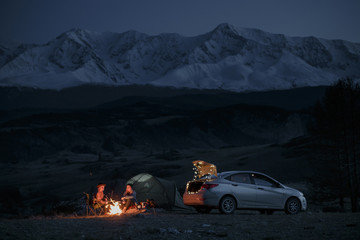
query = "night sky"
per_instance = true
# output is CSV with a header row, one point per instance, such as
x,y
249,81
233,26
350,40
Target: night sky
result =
x,y
38,21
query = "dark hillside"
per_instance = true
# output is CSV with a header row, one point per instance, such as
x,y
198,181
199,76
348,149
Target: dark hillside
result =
x,y
92,95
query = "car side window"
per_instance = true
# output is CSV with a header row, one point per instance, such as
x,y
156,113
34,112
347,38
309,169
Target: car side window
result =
x,y
263,181
240,178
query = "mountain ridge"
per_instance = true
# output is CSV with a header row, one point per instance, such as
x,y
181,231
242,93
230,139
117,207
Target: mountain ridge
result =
x,y
228,58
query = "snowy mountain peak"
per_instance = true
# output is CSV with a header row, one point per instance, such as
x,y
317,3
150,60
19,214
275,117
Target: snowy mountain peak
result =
x,y
74,33
225,27
225,30
230,58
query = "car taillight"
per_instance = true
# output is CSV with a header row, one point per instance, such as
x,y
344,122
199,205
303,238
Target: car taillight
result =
x,y
208,186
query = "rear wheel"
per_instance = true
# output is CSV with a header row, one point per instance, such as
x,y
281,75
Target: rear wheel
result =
x,y
292,206
227,205
203,209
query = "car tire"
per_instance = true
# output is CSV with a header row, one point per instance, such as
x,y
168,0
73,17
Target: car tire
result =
x,y
292,206
227,205
203,209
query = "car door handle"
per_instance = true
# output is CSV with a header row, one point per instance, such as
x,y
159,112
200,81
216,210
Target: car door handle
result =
x,y
260,188
235,185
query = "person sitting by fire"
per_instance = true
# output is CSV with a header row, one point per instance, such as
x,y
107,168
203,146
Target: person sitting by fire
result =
x,y
100,200
129,198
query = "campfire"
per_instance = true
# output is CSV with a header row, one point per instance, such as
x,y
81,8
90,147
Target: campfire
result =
x,y
114,208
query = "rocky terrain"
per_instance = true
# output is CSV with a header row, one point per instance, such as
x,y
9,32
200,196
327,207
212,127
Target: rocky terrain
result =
x,y
187,225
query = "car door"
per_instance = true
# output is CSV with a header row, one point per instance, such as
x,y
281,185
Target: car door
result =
x,y
269,194
242,188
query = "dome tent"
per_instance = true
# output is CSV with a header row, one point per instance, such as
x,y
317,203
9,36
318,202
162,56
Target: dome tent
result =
x,y
163,192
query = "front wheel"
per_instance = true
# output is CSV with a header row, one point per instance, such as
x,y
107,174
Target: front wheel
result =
x,y
292,206
227,205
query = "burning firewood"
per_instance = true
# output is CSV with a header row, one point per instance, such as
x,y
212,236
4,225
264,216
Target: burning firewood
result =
x,y
114,207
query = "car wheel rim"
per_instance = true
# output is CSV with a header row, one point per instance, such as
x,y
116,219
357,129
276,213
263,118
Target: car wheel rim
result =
x,y
293,206
228,205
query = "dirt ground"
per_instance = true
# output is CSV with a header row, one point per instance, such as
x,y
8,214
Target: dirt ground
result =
x,y
187,225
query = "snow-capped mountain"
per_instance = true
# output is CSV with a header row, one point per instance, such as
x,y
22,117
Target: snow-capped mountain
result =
x,y
230,58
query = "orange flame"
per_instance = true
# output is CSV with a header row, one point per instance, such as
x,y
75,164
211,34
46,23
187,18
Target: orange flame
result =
x,y
114,207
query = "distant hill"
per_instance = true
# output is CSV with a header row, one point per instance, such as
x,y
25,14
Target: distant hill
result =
x,y
90,96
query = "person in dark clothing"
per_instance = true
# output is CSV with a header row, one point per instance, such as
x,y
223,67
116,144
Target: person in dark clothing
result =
x,y
129,198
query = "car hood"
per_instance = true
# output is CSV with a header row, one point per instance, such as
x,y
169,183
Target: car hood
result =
x,y
202,168
297,192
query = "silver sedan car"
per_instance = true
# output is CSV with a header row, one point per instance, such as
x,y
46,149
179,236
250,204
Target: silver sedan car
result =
x,y
233,190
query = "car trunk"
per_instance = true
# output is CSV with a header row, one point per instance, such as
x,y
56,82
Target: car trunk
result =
x,y
203,172
202,168
194,186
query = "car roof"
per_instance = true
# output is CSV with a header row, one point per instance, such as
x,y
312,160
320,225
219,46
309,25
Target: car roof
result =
x,y
249,172
228,173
